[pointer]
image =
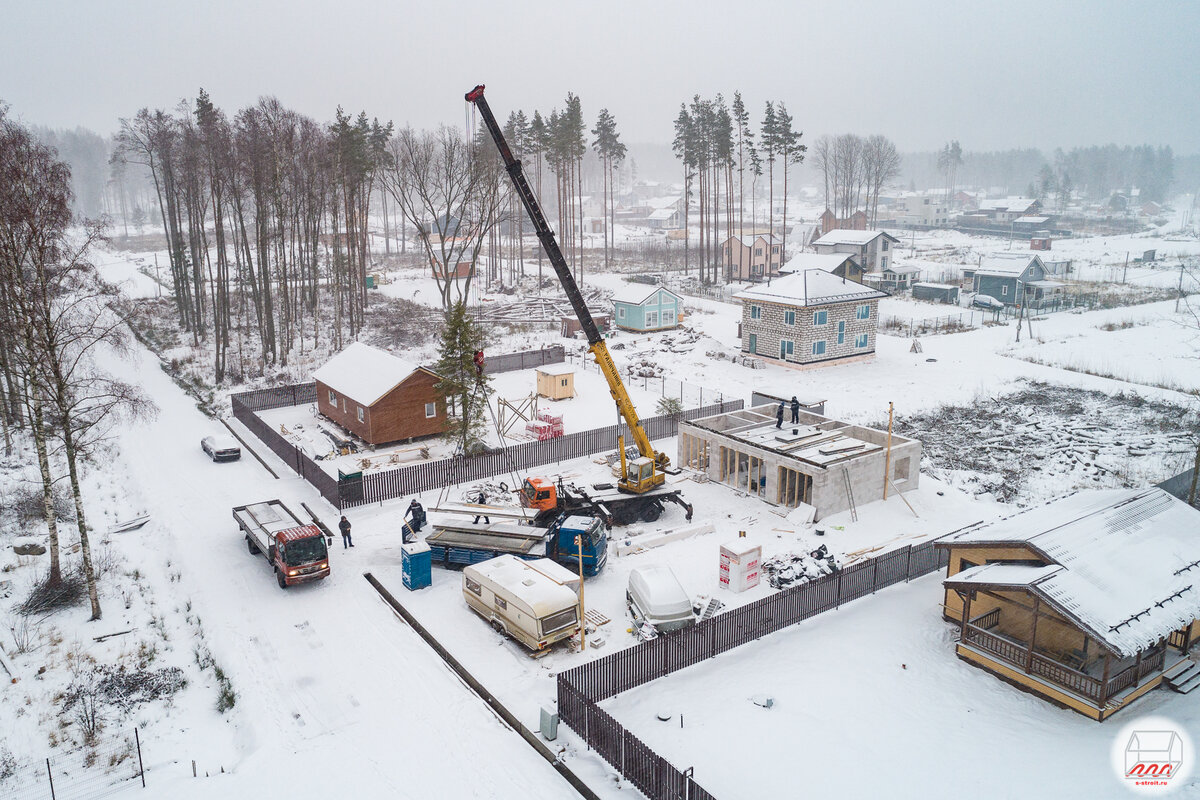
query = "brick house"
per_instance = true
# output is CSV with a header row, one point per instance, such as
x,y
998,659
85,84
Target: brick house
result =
x,y
810,317
873,249
378,397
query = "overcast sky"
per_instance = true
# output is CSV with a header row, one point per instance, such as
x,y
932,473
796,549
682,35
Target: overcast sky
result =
x,y
990,74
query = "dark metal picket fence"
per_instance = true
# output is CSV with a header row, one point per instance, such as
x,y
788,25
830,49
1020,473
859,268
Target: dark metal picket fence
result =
x,y
507,362
581,688
376,487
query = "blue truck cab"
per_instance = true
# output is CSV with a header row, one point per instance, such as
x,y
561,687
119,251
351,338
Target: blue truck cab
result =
x,y
567,532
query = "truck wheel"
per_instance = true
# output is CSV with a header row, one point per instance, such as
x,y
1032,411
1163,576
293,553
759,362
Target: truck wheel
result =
x,y
499,627
251,546
280,580
651,512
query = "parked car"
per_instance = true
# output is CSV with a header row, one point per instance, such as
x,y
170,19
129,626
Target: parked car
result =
x,y
655,596
221,448
987,301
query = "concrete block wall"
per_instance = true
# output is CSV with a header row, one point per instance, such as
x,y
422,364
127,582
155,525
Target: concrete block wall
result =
x,y
771,327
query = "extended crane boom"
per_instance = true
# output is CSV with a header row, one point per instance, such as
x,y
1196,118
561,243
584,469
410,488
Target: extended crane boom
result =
x,y
648,468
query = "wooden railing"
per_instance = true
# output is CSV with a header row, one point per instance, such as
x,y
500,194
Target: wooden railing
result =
x,y
1056,672
987,620
1177,639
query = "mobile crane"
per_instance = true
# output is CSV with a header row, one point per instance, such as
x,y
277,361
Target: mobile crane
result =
x,y
639,475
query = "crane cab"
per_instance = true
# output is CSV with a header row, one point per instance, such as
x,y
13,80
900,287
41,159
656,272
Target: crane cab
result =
x,y
640,476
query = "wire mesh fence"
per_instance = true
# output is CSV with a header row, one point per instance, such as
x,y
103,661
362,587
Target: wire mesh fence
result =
x,y
110,764
689,395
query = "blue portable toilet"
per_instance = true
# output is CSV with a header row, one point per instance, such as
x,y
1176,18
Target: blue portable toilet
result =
x,y
417,565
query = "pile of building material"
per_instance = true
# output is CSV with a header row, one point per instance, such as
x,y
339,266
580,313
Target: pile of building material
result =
x,y
788,569
682,340
536,309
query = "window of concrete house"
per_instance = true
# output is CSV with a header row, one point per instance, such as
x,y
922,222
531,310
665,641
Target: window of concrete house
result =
x,y
789,318
820,317
786,348
885,245
753,343
755,312
332,398
842,332
818,348
360,414
883,261
430,410
863,311
900,470
860,341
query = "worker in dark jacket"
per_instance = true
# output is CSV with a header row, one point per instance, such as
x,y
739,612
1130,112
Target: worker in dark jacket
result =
x,y
795,410
779,415
418,515
481,499
344,527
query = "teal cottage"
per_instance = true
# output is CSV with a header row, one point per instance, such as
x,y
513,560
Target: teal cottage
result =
x,y
638,307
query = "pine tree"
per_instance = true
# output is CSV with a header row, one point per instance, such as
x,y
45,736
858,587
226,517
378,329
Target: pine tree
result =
x,y
460,384
792,152
770,149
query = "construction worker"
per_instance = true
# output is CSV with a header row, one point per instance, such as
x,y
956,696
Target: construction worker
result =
x,y
779,415
795,410
481,500
418,516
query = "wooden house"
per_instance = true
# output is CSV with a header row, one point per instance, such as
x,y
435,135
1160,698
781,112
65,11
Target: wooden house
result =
x,y
639,307
1013,278
843,265
556,381
1089,601
378,397
809,317
750,257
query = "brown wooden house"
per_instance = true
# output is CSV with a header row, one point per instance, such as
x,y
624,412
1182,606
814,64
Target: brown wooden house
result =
x,y
1089,601
378,397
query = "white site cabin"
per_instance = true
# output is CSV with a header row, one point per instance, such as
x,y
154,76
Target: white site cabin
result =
x,y
535,602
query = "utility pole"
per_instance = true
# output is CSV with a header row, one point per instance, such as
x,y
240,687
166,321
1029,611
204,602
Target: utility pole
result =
x,y
1126,269
1180,297
582,621
887,459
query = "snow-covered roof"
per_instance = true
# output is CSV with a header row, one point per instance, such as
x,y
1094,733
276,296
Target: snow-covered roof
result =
x,y
823,261
663,202
1009,204
565,368
1009,265
903,269
1125,563
364,373
810,287
529,582
662,213
935,285
845,236
638,293
1046,284
1033,220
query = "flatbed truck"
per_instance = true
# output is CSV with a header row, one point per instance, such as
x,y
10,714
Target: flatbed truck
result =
x,y
297,552
459,544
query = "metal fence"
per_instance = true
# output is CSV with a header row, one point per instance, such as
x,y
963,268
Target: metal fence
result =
x,y
109,765
581,688
375,487
951,323
688,394
508,362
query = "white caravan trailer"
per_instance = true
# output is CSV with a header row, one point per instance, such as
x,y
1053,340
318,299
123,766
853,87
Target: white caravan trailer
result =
x,y
534,602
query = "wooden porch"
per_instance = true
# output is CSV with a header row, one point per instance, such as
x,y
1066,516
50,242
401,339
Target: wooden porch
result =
x,y
1089,679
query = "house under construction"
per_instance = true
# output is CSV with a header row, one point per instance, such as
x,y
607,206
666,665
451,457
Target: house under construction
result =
x,y
830,465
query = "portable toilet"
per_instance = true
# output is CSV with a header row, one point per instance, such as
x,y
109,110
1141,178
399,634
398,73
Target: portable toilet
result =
x,y
416,563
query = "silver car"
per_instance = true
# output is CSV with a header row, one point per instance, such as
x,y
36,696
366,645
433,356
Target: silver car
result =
x,y
221,448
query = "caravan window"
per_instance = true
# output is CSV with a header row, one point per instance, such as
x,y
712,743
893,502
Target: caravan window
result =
x,y
473,586
558,621
501,604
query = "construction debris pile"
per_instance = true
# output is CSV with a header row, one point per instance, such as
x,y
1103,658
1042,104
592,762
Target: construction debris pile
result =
x,y
495,493
1044,439
788,569
682,340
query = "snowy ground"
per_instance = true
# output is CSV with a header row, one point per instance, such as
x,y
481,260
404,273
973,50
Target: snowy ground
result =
x,y
870,701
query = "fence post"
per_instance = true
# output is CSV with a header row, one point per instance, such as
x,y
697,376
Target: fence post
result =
x,y
141,767
908,565
50,774
874,574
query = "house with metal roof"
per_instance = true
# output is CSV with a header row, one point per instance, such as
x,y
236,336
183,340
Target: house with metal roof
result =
x,y
644,308
810,317
379,397
751,258
843,265
1013,278
1089,601
872,249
